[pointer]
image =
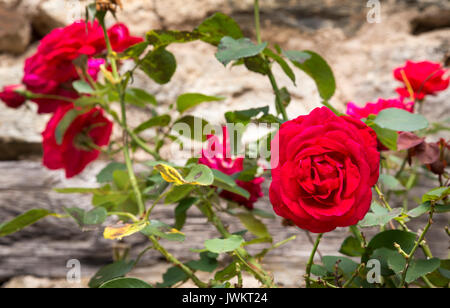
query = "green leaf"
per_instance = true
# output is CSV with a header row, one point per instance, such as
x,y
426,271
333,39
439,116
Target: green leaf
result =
x,y
224,245
284,65
64,124
139,97
351,247
162,230
257,64
96,216
82,87
178,192
254,225
125,283
245,116
190,100
200,174
135,51
158,121
387,239
106,175
436,194
109,272
23,221
196,127
231,49
172,276
400,120
379,216
441,276
214,28
319,270
388,259
207,263
162,38
159,65
417,268
181,210
420,210
317,68
346,265
390,182
227,273
221,177
386,136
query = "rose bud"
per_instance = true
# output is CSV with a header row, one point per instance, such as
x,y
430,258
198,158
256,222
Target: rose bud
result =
x,y
11,98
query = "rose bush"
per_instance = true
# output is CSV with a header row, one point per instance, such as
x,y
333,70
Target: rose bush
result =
x,y
326,172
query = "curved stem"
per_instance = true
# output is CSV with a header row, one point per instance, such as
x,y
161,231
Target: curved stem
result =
x,y
311,260
272,79
177,263
417,244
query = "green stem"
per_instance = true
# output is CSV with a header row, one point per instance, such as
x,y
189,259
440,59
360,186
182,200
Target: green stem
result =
x,y
129,215
311,260
278,100
126,149
246,259
417,244
177,263
272,79
355,274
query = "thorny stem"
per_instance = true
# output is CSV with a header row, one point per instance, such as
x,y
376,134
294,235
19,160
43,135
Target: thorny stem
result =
x,y
311,260
177,263
355,274
132,176
417,244
246,259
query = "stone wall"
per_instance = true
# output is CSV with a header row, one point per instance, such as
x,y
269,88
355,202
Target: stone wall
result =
x,y
362,56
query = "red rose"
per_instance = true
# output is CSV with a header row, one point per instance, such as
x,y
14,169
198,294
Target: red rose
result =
x,y
76,150
121,39
359,113
323,168
426,78
11,98
374,109
51,70
218,156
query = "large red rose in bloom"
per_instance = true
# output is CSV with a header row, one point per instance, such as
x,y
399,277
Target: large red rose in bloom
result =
x,y
11,98
78,148
51,70
359,113
426,78
218,156
323,168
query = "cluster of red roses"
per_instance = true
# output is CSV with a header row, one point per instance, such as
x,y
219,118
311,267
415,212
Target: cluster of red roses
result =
x,y
48,78
326,165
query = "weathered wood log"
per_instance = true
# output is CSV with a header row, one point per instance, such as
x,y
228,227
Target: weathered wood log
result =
x,y
44,248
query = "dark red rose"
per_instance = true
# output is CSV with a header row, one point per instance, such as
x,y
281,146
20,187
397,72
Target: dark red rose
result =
x,y
80,141
323,168
51,71
11,98
218,156
426,78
